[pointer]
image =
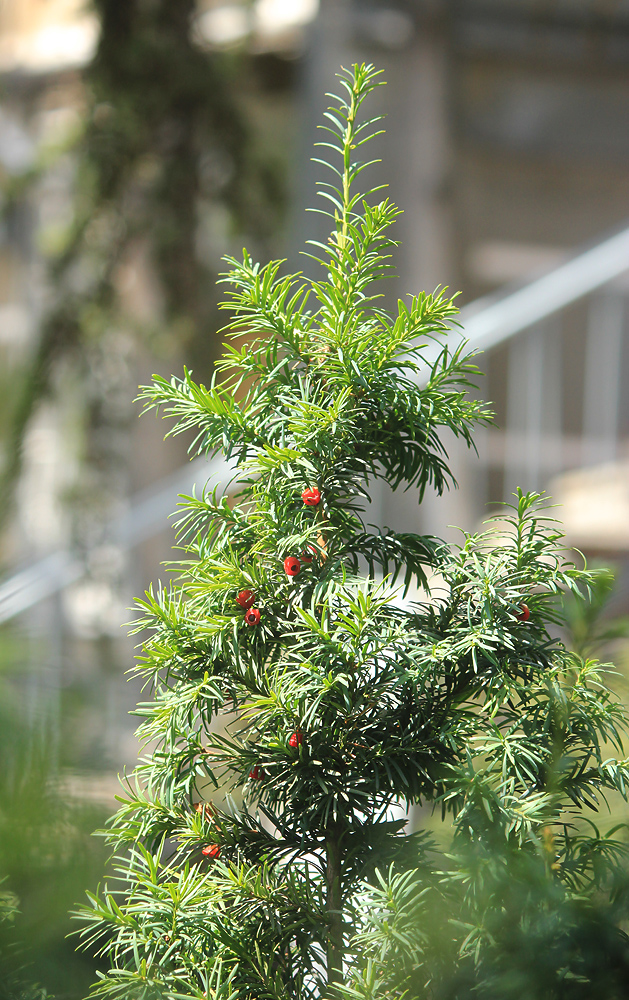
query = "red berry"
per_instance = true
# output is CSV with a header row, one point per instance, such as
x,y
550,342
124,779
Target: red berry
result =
x,y
211,850
256,773
312,497
253,616
524,613
296,739
292,565
246,598
308,555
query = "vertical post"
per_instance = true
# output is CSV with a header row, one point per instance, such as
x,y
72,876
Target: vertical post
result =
x,y
603,356
533,438
334,905
419,123
422,82
330,46
552,455
524,410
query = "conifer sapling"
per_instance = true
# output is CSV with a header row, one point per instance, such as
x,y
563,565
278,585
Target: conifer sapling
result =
x,y
281,671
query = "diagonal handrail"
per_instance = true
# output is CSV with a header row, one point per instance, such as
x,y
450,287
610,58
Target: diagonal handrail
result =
x,y
146,515
486,322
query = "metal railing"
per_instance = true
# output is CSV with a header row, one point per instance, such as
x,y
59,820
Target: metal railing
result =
x,y
487,323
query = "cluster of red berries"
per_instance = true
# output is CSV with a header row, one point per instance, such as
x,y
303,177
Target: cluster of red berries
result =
x,y
246,600
257,773
292,565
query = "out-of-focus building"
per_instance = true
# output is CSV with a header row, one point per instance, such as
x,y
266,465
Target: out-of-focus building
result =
x,y
45,36
507,148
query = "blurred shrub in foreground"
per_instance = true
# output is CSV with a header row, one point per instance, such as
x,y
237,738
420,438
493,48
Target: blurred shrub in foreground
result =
x,y
47,854
495,924
495,921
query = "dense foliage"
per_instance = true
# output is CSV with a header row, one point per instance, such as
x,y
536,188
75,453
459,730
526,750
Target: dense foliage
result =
x,y
282,670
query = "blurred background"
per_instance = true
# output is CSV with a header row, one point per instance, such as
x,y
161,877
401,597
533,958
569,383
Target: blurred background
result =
x,y
139,142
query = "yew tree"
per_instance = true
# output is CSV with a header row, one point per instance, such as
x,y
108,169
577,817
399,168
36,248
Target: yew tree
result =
x,y
297,709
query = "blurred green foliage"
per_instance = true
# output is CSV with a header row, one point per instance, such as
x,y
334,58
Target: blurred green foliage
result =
x,y
489,921
47,853
485,920
166,139
590,627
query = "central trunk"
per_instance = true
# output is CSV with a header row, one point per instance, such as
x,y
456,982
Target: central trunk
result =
x,y
334,907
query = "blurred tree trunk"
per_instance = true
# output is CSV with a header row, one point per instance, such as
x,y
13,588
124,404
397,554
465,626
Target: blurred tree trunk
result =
x,y
164,135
